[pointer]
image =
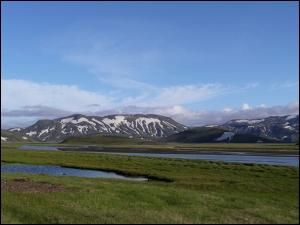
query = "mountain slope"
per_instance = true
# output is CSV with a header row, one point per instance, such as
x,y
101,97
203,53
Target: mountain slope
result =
x,y
280,128
137,126
214,135
8,136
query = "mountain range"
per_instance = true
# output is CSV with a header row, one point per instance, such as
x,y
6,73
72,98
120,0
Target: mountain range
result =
x,y
151,126
132,126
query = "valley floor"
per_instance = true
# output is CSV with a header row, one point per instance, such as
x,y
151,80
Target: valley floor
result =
x,y
199,191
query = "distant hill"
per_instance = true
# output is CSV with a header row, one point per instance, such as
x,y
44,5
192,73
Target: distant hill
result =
x,y
194,135
214,135
280,128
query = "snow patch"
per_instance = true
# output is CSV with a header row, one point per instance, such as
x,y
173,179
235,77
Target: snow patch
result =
x,y
71,120
117,121
64,131
44,131
31,133
82,119
82,128
226,135
65,121
289,127
169,124
97,121
4,138
241,121
15,129
249,121
291,117
148,121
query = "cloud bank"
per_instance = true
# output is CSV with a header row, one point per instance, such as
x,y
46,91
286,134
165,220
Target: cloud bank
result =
x,y
16,94
23,102
210,117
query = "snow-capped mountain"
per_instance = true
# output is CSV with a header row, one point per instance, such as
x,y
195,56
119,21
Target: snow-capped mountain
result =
x,y
266,130
282,128
276,128
137,125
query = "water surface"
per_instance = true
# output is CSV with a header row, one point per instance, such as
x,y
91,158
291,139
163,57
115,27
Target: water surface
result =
x,y
39,147
235,157
63,171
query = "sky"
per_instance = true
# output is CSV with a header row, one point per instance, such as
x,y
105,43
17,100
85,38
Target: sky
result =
x,y
197,62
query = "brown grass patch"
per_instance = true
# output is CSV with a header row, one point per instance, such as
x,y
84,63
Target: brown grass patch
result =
x,y
25,185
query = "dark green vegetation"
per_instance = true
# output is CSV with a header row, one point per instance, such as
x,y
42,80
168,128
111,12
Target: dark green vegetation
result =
x,y
210,134
196,135
106,140
133,143
200,191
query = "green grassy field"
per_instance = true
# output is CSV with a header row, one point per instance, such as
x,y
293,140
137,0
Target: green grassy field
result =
x,y
200,191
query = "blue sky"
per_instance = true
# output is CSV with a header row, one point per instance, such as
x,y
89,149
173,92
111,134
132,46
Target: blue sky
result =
x,y
111,55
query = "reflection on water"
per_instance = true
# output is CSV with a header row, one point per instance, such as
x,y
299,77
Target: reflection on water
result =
x,y
238,157
62,171
38,147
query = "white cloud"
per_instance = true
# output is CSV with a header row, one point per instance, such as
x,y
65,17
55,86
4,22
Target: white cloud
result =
x,y
262,106
112,58
125,68
252,85
207,117
177,95
246,106
285,84
127,83
22,98
154,96
16,94
189,93
177,112
227,109
25,101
